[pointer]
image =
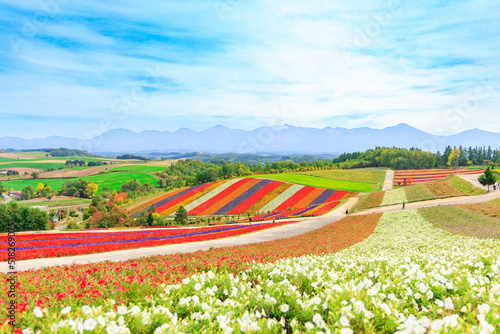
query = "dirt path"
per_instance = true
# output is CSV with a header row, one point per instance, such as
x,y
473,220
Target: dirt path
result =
x,y
472,178
389,180
6,199
281,232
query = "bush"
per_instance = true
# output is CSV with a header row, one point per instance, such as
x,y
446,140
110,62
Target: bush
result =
x,y
23,218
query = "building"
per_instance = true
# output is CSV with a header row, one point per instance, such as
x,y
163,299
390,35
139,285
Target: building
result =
x,y
15,194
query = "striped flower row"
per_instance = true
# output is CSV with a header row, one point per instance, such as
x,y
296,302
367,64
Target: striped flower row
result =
x,y
241,196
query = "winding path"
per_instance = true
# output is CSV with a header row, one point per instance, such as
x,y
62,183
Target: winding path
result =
x,y
389,180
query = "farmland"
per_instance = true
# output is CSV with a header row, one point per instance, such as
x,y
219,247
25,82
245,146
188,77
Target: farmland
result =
x,y
425,175
450,186
320,182
139,168
112,180
241,196
368,176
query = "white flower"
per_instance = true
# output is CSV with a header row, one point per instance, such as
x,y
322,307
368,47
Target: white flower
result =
x,y
284,308
122,309
101,321
346,331
38,312
430,294
89,324
448,304
309,325
86,309
483,309
146,320
197,286
317,319
66,310
344,321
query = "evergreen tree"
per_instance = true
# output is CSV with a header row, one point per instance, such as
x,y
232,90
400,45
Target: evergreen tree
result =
x,y
488,178
181,217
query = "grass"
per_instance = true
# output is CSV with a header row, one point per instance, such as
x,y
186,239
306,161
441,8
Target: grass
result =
x,y
112,180
139,168
465,187
373,177
319,182
371,201
458,220
2,159
35,165
418,193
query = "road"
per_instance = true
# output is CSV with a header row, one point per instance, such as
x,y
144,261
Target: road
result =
x,y
6,200
389,180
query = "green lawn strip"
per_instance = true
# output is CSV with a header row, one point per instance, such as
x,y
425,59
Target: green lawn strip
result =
x,y
418,192
319,182
457,220
2,159
465,186
373,177
113,180
139,168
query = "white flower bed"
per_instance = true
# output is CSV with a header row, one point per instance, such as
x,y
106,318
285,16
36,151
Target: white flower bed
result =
x,y
406,277
396,196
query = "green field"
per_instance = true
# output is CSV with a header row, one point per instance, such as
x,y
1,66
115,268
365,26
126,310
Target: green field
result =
x,y
319,182
371,176
2,159
36,165
139,168
112,180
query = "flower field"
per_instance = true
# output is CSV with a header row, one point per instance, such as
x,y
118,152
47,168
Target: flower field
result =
x,y
241,196
407,276
126,282
32,246
425,175
369,176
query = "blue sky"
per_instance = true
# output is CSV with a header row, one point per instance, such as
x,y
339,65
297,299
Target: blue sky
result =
x,y
77,69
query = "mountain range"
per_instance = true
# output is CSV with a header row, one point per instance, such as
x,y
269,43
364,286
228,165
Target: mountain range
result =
x,y
283,139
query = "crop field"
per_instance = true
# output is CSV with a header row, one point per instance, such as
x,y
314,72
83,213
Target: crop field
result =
x,y
425,175
35,164
451,186
112,180
320,182
240,196
464,220
371,176
139,168
33,246
390,273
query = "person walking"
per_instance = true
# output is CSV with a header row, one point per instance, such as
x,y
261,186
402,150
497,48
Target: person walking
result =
x,y
250,220
347,211
403,205
274,220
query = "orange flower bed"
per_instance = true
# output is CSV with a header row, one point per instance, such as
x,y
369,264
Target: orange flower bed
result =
x,y
304,202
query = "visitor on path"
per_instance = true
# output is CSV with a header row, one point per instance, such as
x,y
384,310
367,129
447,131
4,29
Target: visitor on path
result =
x,y
347,211
403,205
250,220
274,220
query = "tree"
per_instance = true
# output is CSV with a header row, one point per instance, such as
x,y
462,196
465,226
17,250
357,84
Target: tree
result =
x,y
2,188
181,216
90,189
28,193
488,178
454,157
35,175
40,187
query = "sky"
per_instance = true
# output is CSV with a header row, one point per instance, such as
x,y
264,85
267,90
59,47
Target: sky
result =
x,y
79,68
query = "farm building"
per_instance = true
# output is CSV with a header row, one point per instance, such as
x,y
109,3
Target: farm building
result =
x,y
15,194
